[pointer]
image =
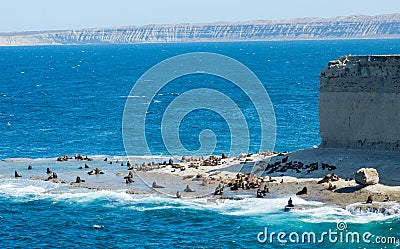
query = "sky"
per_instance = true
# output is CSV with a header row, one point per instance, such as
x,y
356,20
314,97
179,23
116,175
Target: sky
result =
x,y
28,15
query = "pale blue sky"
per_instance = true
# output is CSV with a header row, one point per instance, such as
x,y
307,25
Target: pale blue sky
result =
x,y
22,15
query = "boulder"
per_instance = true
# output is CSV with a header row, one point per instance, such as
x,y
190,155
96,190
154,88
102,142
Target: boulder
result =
x,y
367,176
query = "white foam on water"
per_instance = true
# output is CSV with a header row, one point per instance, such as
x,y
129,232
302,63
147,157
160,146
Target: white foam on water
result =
x,y
316,212
83,195
18,188
334,214
95,226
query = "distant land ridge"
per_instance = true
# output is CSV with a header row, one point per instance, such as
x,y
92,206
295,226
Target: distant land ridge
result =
x,y
347,27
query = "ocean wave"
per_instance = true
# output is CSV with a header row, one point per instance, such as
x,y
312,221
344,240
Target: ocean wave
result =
x,y
24,190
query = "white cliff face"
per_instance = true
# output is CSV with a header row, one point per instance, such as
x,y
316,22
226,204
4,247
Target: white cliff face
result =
x,y
359,103
386,26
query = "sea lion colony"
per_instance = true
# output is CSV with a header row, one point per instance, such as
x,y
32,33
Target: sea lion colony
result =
x,y
242,181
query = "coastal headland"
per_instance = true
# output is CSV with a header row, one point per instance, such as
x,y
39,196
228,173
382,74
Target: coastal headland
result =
x,y
358,113
342,27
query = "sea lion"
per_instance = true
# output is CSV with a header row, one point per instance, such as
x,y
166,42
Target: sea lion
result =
x,y
219,190
86,166
155,185
259,194
334,178
16,174
302,192
325,179
55,175
370,199
30,167
290,202
387,198
178,194
106,159
331,187
95,171
189,189
128,180
265,190
78,180
48,171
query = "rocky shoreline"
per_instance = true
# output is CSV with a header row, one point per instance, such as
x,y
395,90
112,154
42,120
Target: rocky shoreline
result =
x,y
283,175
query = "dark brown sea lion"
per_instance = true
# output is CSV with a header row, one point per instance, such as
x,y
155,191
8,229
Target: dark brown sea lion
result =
x,y
290,202
387,198
303,191
155,185
259,194
189,189
79,180
16,174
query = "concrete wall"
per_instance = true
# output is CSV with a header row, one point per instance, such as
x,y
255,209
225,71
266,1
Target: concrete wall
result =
x,y
359,103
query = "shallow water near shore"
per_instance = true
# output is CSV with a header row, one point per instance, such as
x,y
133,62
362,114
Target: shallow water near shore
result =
x,y
70,99
49,215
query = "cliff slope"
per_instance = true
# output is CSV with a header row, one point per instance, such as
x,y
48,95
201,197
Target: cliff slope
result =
x,y
382,26
359,103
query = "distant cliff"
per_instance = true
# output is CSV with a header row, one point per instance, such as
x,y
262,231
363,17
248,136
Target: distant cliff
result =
x,y
359,103
351,27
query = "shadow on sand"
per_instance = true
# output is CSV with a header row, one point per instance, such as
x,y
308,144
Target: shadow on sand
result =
x,y
349,189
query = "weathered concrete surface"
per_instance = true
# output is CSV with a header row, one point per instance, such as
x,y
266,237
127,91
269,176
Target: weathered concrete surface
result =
x,y
359,103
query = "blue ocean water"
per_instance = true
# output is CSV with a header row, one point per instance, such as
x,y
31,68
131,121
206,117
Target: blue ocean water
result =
x,y
70,99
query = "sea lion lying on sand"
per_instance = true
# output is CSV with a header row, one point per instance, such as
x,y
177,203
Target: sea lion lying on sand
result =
x,y
16,174
302,192
155,185
79,180
95,171
331,187
189,189
329,177
219,190
259,194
